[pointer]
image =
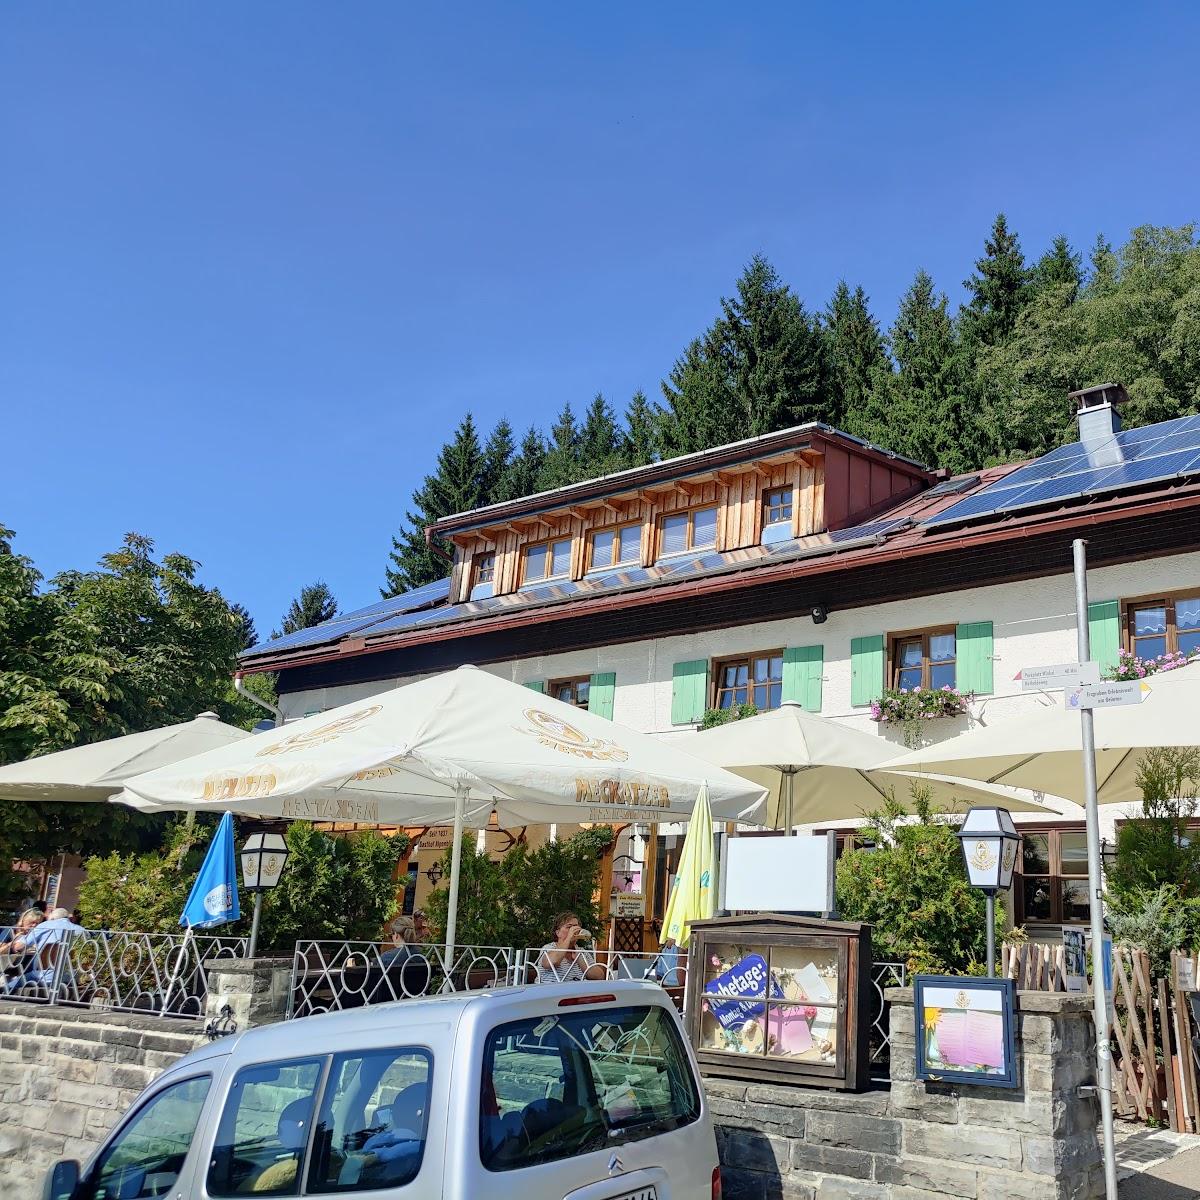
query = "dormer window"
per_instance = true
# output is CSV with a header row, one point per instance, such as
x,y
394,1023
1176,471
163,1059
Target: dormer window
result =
x,y
684,531
483,575
777,515
609,548
546,560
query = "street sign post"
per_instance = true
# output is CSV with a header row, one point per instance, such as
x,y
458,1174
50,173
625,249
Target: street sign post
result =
x,y
1060,675
1111,694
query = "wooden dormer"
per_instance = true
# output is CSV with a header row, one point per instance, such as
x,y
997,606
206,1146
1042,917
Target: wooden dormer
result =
x,y
810,479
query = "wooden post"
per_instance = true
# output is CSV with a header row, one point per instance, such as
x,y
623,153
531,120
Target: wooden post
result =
x,y
649,883
1164,1016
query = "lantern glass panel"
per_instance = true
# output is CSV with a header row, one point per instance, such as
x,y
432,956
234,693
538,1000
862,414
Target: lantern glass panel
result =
x,y
983,860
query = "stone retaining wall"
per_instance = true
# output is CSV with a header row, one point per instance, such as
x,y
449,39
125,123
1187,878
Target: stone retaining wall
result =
x,y
927,1141
66,1075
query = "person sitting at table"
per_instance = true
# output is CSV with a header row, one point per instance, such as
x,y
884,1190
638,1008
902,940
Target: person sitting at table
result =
x,y
16,962
561,960
422,930
401,931
46,933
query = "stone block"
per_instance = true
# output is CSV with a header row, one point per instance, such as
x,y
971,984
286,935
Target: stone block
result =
x,y
67,1119
124,1076
795,1189
727,1089
855,1131
927,1178
964,1144
900,1020
739,1114
874,1102
844,1189
80,1070
748,1150
90,1095
48,1145
1064,1157
831,1160
918,1101
742,1185
1005,1185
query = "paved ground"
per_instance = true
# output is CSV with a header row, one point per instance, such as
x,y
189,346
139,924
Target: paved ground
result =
x,y
1155,1164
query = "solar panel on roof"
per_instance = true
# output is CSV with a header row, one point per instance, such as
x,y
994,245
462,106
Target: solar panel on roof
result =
x,y
1130,458
950,486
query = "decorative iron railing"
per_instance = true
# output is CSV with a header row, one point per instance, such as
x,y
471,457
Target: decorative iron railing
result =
x,y
158,973
333,976
669,967
883,975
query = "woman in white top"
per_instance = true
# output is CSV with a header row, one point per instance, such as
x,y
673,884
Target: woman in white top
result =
x,y
561,960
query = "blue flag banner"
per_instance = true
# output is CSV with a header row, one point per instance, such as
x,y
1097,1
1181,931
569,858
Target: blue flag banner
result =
x,y
748,978
214,896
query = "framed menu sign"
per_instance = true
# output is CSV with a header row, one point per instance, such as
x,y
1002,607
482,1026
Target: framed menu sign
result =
x,y
780,998
964,1028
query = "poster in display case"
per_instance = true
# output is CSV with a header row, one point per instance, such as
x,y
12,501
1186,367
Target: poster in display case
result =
x,y
780,998
964,1030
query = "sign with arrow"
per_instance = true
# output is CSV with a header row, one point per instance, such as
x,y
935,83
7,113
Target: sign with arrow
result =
x,y
1060,675
1111,694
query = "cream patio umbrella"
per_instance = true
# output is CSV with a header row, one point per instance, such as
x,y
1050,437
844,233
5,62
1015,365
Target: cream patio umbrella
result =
x,y
452,747
97,771
816,769
1041,751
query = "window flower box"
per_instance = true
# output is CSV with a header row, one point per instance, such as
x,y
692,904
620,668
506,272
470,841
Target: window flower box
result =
x,y
1129,666
909,707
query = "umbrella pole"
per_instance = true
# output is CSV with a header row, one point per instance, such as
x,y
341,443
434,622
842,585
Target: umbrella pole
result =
x,y
1099,996
455,869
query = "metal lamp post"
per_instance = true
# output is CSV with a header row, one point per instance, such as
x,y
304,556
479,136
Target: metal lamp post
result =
x,y
989,843
263,859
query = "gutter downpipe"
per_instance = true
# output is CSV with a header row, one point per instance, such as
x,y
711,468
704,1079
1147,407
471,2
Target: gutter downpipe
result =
x,y
240,687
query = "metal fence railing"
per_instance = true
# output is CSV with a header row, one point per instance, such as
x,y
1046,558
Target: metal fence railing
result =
x,y
669,967
332,976
156,973
883,975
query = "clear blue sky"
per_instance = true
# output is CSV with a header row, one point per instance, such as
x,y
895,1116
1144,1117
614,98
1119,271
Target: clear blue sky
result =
x,y
257,259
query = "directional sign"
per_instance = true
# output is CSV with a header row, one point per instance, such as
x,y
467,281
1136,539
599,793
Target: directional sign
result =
x,y
1107,695
1061,675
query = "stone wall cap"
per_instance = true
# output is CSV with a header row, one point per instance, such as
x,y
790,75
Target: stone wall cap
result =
x,y
1030,1002
227,966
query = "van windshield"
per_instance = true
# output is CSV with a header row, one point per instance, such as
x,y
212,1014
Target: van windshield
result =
x,y
572,1082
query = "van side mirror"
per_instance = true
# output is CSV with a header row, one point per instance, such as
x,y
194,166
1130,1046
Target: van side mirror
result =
x,y
62,1180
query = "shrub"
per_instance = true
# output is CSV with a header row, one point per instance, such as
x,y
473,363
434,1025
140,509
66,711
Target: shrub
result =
x,y
333,887
1157,920
1157,848
511,902
722,716
913,889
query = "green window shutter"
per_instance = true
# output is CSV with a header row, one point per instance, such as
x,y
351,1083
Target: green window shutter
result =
x,y
1104,632
601,693
536,685
803,667
866,669
689,691
973,647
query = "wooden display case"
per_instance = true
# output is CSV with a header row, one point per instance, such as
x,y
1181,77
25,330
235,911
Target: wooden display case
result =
x,y
781,999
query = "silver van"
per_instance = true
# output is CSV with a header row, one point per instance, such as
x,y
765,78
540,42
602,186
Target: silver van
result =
x,y
578,1091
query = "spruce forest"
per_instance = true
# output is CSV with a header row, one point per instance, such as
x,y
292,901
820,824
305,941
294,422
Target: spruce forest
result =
x,y
960,390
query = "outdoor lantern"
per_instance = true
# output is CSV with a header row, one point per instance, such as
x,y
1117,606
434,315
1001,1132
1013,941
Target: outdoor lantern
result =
x,y
434,874
989,842
263,859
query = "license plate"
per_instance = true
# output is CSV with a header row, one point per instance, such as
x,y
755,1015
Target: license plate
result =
x,y
646,1193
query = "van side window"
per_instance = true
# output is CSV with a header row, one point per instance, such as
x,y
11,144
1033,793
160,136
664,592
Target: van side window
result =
x,y
264,1129
146,1156
374,1115
582,1080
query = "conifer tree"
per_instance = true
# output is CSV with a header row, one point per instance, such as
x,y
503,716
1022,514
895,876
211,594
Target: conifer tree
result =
x,y
314,606
999,289
599,440
639,439
521,478
562,461
759,367
455,486
497,459
855,355
1059,267
928,413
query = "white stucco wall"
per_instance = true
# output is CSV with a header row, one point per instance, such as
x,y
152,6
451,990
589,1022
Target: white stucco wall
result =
x,y
1033,623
